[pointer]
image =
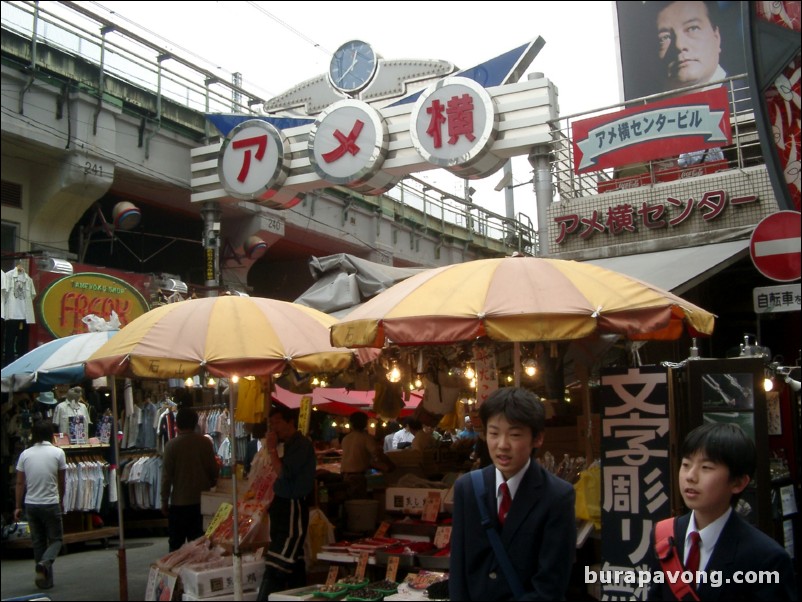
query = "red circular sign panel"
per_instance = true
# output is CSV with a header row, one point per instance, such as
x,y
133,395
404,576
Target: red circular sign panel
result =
x,y
775,246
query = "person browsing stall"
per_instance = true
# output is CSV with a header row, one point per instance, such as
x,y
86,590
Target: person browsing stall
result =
x,y
533,519
189,467
360,452
289,511
718,461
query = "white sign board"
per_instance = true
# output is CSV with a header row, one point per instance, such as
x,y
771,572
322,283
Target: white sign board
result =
x,y
776,299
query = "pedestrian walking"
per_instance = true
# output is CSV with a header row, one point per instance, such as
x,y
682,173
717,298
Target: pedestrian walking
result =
x,y
41,471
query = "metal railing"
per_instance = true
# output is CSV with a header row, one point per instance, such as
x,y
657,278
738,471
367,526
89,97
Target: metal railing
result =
x,y
743,152
129,57
123,54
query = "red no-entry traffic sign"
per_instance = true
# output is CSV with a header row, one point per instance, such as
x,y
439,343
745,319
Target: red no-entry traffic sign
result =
x,y
775,246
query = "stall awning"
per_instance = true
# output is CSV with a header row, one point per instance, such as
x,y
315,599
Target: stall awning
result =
x,y
678,270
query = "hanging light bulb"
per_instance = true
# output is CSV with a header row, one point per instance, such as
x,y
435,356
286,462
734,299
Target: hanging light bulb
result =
x,y
333,424
530,367
418,383
394,375
469,373
189,382
509,378
373,425
324,383
472,384
211,382
235,379
768,384
315,381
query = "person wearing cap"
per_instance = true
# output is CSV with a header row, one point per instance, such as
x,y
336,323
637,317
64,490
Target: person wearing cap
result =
x,y
468,432
72,416
48,401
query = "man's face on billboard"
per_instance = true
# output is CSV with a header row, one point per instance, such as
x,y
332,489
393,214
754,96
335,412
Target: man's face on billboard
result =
x,y
689,44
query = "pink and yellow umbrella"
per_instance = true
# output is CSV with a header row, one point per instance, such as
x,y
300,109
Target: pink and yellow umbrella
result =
x,y
224,336
518,299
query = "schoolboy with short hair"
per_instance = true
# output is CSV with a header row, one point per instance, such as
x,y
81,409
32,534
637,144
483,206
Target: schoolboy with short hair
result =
x,y
718,461
537,528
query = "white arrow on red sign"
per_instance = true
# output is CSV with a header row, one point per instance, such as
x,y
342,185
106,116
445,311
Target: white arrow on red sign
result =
x,y
775,246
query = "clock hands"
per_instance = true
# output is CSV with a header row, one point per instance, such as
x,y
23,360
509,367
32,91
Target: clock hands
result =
x,y
350,68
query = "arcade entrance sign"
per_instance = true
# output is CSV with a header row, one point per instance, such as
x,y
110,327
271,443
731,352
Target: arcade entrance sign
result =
x,y
468,123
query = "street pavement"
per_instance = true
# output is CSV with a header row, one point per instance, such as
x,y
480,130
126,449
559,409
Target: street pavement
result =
x,y
85,571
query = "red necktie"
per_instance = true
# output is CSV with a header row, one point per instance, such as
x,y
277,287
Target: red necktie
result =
x,y
693,554
506,501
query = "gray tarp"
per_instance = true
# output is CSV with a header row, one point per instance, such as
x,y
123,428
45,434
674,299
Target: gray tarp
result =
x,y
344,281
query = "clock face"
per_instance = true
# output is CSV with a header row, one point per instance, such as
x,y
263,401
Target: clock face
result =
x,y
352,66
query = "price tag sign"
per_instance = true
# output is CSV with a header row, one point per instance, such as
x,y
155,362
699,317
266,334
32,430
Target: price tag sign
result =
x,y
222,514
334,572
431,507
305,414
442,536
392,568
383,529
362,564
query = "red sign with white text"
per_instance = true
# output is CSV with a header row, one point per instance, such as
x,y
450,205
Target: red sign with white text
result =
x,y
667,128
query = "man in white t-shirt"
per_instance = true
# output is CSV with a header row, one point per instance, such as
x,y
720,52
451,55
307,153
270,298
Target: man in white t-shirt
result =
x,y
404,437
41,471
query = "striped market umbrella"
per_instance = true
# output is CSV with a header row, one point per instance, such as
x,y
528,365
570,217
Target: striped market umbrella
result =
x,y
225,336
56,362
518,299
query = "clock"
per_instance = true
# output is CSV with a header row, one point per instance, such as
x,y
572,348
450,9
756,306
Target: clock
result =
x,y
352,66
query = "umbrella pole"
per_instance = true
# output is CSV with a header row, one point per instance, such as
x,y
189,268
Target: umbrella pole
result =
x,y
121,560
516,362
232,395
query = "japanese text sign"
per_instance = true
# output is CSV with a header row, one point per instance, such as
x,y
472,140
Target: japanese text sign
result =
x,y
661,129
635,468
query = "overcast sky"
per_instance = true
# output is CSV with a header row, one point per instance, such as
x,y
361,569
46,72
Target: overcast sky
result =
x,y
275,45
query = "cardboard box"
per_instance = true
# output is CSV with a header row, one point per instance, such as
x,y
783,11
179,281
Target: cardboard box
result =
x,y
219,581
410,500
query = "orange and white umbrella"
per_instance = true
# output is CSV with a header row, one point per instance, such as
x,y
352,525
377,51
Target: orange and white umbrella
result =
x,y
224,336
518,299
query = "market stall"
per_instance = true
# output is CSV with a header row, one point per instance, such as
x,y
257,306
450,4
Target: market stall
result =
x,y
227,336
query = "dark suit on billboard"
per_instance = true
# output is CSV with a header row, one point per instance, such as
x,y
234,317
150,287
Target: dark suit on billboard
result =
x,y
740,547
539,536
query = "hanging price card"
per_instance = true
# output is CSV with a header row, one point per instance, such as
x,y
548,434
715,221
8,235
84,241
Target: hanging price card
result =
x,y
361,565
334,572
383,528
431,507
392,568
442,537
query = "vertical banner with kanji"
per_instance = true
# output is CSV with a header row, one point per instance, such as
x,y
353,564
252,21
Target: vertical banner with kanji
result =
x,y
635,471
305,414
486,373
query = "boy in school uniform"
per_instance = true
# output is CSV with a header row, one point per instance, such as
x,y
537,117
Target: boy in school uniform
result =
x,y
718,461
530,511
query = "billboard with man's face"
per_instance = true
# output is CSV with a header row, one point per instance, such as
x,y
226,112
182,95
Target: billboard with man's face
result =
x,y
670,45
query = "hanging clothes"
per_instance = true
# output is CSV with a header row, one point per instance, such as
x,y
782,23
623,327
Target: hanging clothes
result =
x,y
250,401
